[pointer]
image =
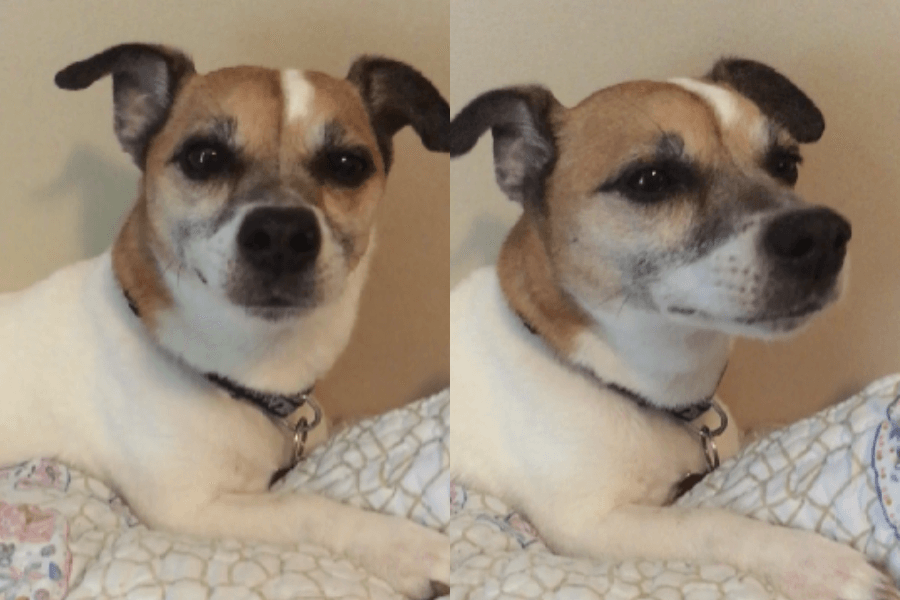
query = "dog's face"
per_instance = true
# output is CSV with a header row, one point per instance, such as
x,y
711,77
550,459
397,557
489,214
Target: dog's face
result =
x,y
259,186
676,198
263,185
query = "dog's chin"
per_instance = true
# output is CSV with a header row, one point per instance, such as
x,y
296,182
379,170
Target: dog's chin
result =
x,y
766,325
277,307
276,311
276,303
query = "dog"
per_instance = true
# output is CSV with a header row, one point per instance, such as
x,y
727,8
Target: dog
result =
x,y
658,222
177,366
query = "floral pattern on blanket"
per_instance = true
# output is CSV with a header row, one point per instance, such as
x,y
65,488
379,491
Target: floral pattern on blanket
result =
x,y
886,464
823,473
35,561
396,463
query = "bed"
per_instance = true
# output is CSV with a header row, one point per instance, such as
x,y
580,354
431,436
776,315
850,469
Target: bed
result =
x,y
837,472
63,534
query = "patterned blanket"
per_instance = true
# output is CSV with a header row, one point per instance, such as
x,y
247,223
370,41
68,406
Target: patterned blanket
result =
x,y
837,472
62,532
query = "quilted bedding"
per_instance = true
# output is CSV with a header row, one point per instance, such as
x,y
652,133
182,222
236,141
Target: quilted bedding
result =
x,y
63,534
837,472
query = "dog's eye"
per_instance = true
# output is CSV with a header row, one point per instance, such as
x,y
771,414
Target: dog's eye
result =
x,y
783,165
345,167
652,183
651,180
204,160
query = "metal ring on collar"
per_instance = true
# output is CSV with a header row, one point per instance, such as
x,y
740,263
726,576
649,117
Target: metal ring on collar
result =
x,y
708,436
710,450
302,425
723,420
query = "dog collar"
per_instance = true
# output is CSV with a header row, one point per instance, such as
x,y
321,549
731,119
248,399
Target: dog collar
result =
x,y
686,414
277,407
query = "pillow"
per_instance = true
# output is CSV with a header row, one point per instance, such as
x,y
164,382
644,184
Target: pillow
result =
x,y
835,472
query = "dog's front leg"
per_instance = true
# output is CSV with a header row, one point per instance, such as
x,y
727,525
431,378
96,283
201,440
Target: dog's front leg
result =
x,y
413,559
802,564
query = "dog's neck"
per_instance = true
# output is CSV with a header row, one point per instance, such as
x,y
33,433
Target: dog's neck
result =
x,y
639,353
211,335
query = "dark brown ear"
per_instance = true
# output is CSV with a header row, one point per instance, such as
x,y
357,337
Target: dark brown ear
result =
x,y
776,96
396,95
520,119
146,79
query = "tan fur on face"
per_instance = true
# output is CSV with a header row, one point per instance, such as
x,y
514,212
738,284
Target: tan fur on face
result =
x,y
135,267
349,212
578,245
528,282
275,152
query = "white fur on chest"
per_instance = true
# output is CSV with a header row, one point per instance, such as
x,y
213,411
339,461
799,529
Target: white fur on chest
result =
x,y
525,426
84,383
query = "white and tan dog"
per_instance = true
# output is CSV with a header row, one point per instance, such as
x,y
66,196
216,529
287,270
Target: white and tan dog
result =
x,y
171,365
658,221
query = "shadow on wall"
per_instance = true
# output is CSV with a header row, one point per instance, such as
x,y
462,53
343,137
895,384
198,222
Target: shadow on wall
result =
x,y
105,188
481,245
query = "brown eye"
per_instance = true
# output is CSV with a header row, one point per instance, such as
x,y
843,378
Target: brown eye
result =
x,y
649,183
203,159
784,166
347,168
651,180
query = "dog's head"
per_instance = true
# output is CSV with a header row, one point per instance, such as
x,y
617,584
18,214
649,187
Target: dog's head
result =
x,y
259,186
672,197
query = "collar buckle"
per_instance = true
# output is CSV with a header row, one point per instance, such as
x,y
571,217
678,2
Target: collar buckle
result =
x,y
708,436
303,426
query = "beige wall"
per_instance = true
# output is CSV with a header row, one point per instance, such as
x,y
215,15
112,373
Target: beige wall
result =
x,y
66,184
846,56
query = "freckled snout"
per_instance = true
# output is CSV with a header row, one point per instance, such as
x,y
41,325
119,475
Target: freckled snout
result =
x,y
808,244
280,241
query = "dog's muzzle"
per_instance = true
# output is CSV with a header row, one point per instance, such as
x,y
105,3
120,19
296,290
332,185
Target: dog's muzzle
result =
x,y
808,245
280,241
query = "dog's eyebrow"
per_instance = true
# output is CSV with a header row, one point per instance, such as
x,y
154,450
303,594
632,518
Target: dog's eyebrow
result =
x,y
668,148
223,128
790,149
335,136
220,129
670,145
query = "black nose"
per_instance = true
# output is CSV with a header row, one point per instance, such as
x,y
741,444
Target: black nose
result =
x,y
810,243
280,240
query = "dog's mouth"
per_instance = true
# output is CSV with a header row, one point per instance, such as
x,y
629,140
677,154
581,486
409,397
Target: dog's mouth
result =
x,y
797,315
275,311
276,306
273,297
771,321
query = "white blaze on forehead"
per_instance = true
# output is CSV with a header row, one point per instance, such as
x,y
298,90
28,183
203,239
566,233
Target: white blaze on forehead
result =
x,y
298,94
722,101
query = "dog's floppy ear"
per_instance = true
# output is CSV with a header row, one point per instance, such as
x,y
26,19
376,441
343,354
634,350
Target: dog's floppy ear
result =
x,y
396,95
145,80
776,96
520,119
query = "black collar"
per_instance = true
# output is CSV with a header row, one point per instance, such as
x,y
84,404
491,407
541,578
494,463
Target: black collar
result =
x,y
278,406
275,405
686,413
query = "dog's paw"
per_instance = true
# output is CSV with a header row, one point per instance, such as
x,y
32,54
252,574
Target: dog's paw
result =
x,y
413,559
826,570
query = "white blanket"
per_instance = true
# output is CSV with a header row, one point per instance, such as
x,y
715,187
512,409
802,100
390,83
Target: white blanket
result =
x,y
62,532
837,472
